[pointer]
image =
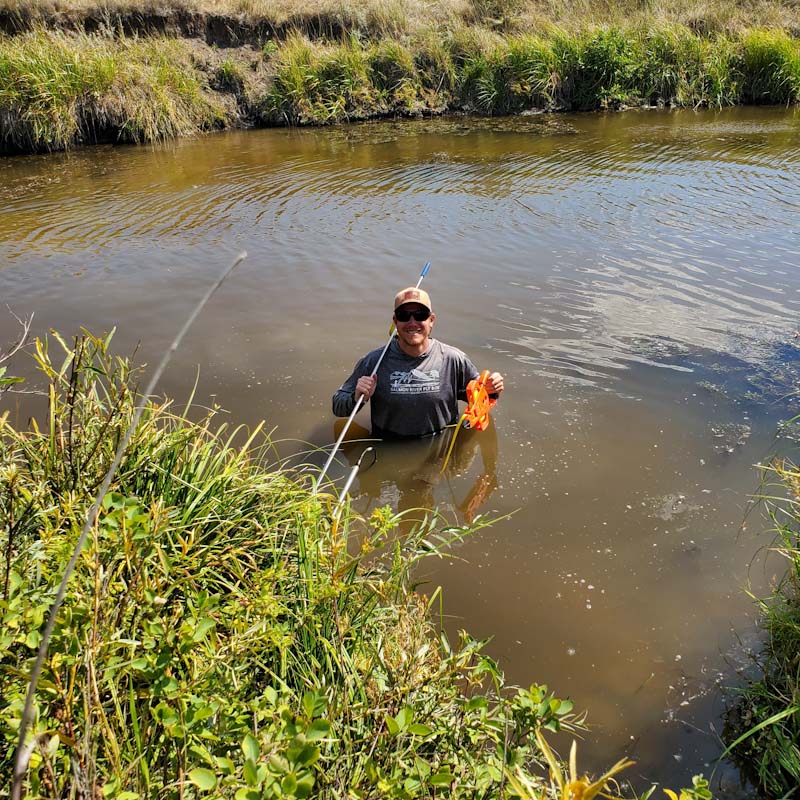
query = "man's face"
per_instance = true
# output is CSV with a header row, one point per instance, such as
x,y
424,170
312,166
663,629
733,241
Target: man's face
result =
x,y
413,332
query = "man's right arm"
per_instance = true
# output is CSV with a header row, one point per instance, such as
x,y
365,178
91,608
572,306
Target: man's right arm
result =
x,y
344,398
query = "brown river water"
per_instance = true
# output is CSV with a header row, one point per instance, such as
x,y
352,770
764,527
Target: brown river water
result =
x,y
635,278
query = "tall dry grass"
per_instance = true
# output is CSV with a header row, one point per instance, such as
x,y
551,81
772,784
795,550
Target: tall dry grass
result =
x,y
390,18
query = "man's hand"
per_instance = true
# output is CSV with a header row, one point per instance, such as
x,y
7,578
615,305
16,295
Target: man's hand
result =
x,y
495,384
365,386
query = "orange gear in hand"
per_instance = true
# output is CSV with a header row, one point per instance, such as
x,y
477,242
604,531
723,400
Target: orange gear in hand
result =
x,y
476,415
479,404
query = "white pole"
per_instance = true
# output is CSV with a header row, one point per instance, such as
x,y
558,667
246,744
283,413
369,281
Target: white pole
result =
x,y
360,400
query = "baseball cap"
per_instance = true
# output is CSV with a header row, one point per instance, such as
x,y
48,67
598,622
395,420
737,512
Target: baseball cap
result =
x,y
412,295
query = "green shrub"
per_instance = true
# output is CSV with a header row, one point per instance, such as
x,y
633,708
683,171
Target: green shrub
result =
x,y
320,83
229,77
218,634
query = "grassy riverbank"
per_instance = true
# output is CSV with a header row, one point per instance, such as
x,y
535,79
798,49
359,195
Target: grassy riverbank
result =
x,y
220,638
765,723
84,73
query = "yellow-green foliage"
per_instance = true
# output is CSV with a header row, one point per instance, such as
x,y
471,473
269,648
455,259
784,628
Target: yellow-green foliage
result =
x,y
770,67
318,82
58,89
394,73
476,70
763,733
218,633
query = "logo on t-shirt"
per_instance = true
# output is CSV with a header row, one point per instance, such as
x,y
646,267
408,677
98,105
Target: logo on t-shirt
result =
x,y
414,382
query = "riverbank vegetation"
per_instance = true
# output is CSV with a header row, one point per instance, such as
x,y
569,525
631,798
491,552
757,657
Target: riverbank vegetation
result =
x,y
223,636
84,73
765,721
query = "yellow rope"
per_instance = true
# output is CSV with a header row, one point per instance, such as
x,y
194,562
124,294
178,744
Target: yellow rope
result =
x,y
453,440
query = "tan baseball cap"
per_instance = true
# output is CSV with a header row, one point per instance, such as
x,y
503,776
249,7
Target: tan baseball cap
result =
x,y
412,295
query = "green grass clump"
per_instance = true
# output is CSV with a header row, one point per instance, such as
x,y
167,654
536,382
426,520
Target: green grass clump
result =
x,y
228,632
770,67
478,71
219,637
319,83
57,90
393,73
764,724
229,77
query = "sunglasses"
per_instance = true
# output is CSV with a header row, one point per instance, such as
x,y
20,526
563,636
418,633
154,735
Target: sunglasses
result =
x,y
405,314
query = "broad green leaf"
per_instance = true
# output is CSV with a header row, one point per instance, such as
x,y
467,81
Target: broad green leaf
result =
x,y
203,627
404,717
203,778
442,778
477,702
250,772
202,753
318,729
250,747
565,707
225,764
543,708
392,726
309,702
304,756
289,783
166,715
418,729
304,786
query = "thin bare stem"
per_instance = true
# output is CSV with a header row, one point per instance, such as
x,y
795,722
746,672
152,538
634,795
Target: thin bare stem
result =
x,y
22,755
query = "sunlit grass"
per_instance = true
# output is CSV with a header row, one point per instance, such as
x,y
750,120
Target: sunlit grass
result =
x,y
764,724
57,90
770,67
221,636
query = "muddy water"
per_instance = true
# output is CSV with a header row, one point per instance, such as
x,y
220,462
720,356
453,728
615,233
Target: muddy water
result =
x,y
635,277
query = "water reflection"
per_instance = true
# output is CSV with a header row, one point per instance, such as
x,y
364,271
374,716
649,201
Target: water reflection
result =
x,y
411,472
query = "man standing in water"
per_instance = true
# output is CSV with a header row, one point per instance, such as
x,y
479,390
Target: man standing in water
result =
x,y
416,390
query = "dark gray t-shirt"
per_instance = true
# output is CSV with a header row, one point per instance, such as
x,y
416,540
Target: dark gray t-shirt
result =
x,y
415,395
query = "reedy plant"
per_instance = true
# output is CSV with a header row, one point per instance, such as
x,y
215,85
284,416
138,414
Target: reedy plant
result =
x,y
57,90
218,636
394,74
765,719
769,67
317,83
221,636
